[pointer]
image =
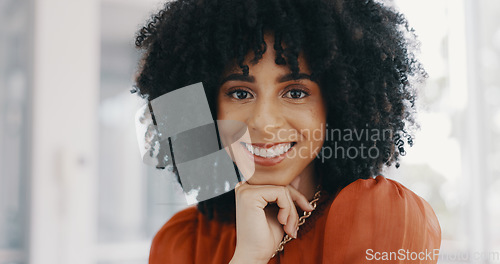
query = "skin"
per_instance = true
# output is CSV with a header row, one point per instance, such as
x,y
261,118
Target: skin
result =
x,y
276,109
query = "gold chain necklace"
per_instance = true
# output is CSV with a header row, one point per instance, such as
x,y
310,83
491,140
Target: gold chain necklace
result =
x,y
302,220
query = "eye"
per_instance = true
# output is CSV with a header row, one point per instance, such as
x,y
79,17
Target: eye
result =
x,y
296,94
240,94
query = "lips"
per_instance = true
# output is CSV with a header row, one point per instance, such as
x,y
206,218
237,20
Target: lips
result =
x,y
268,150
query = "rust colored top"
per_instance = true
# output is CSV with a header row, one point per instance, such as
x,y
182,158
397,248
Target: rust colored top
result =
x,y
369,221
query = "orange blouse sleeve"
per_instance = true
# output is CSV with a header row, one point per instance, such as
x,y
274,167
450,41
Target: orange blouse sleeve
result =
x,y
189,237
380,221
174,241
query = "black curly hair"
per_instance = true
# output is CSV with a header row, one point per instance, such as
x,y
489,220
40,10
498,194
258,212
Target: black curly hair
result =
x,y
360,52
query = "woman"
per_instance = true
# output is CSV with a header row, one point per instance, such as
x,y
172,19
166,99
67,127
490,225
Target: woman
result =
x,y
289,69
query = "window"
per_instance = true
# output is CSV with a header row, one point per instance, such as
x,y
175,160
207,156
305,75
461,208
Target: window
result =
x,y
15,83
454,164
135,200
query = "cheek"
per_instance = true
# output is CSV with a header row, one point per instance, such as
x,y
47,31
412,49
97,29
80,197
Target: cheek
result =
x,y
231,111
315,123
222,110
227,113
318,112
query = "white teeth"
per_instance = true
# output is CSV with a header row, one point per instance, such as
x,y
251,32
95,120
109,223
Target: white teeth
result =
x,y
249,147
270,153
263,153
274,151
256,151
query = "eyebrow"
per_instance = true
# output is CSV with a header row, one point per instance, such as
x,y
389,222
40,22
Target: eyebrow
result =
x,y
290,77
251,79
238,77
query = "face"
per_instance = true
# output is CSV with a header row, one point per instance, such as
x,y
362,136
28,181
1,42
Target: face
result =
x,y
285,118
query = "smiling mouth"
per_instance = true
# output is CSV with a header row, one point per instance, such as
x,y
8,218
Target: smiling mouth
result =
x,y
270,152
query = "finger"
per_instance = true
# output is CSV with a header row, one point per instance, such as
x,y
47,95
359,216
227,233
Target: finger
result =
x,y
279,196
287,214
239,184
300,199
293,219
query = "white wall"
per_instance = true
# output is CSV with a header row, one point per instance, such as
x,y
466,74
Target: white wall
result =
x,y
65,123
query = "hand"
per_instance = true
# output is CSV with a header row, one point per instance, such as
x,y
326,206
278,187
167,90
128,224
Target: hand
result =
x,y
260,226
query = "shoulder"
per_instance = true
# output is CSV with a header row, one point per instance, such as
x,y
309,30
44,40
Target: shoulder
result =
x,y
177,235
189,237
380,215
381,197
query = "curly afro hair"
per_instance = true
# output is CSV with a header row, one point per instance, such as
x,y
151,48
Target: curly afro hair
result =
x,y
359,51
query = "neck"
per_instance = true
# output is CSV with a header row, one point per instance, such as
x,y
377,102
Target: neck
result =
x,y
306,182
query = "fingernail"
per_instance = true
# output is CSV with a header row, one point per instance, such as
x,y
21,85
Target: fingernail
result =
x,y
311,207
295,233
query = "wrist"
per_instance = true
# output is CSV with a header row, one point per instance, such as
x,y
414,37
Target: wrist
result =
x,y
244,261
241,259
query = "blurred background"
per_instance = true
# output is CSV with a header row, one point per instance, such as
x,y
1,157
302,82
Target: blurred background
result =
x,y
73,188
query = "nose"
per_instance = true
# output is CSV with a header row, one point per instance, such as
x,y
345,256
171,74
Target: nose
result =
x,y
266,117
